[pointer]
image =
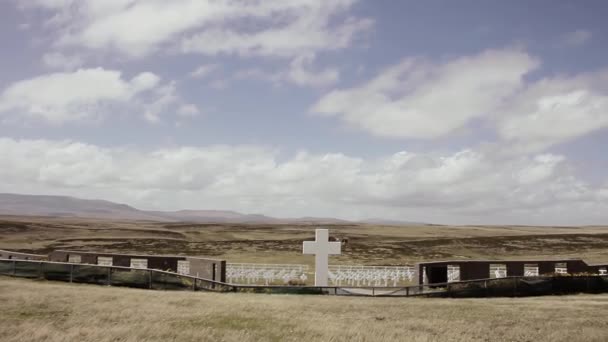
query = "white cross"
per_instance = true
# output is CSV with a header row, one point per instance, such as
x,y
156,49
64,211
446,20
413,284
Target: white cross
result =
x,y
321,248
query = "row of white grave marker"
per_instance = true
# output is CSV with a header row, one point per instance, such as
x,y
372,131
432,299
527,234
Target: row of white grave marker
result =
x,y
345,275
265,273
339,275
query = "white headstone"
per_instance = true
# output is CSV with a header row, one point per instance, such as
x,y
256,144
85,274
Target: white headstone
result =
x,y
321,248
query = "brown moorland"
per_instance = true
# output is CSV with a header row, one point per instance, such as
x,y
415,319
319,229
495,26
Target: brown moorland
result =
x,y
282,243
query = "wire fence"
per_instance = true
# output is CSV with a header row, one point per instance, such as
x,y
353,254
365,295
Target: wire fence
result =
x,y
526,286
163,280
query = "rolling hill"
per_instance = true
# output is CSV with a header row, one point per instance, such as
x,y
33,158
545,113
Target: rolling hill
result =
x,y
64,206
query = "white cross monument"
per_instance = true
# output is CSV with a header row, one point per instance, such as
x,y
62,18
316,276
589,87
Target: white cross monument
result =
x,y
321,248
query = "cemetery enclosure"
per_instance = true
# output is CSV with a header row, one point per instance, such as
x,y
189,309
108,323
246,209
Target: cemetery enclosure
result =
x,y
280,244
162,280
50,311
339,275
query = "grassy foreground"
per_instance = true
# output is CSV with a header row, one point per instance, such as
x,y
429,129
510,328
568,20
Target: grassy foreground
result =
x,y
47,311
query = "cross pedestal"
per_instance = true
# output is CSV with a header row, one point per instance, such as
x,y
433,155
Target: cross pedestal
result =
x,y
321,248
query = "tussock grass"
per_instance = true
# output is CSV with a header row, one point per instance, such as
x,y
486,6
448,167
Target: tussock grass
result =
x,y
47,311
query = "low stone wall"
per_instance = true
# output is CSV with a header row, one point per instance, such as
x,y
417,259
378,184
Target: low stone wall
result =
x,y
212,269
4,254
437,271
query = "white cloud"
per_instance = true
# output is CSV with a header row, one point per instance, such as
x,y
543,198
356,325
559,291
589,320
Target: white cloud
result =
x,y
56,60
424,100
603,194
219,84
67,96
458,187
309,32
145,81
87,94
203,70
576,38
555,110
188,110
259,74
139,27
300,72
421,100
542,168
164,97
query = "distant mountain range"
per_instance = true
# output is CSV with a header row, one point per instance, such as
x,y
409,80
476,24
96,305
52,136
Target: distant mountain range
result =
x,y
64,206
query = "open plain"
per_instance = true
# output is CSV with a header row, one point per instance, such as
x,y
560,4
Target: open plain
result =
x,y
46,311
266,243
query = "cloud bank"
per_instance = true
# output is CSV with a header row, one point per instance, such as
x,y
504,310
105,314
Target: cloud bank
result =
x,y
453,187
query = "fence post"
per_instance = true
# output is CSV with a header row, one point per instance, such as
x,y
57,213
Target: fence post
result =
x,y
373,291
407,291
194,285
71,272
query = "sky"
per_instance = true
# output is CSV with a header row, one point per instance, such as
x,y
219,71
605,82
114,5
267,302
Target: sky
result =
x,y
461,112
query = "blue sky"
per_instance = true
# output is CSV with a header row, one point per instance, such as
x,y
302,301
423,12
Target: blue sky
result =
x,y
439,111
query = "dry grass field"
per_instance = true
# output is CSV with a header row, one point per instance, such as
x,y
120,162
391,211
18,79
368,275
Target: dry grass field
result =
x,y
47,311
371,245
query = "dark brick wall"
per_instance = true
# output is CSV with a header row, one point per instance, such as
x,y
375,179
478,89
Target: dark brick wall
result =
x,y
202,268
473,270
480,269
208,268
119,260
546,267
163,263
578,266
437,273
87,259
20,256
222,271
58,256
205,268
515,269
